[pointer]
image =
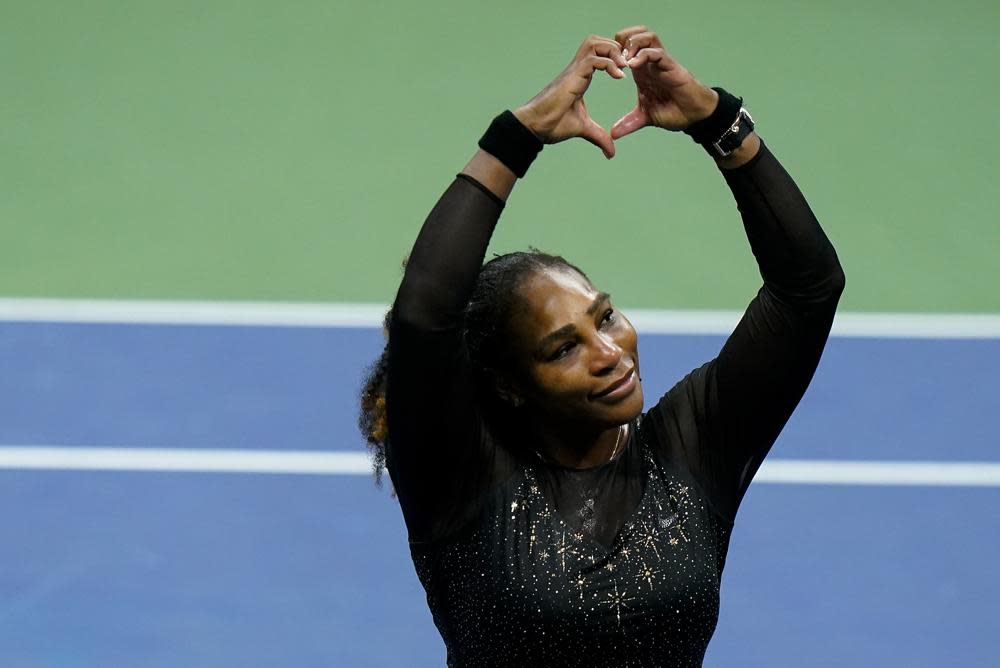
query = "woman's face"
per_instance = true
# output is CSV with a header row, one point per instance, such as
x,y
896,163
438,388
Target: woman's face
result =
x,y
578,361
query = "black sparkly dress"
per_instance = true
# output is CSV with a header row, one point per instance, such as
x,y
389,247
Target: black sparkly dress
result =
x,y
526,563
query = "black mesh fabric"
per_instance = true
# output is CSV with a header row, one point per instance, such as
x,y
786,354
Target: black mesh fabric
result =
x,y
528,563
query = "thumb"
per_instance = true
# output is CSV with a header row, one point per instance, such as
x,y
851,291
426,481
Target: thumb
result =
x,y
629,123
599,137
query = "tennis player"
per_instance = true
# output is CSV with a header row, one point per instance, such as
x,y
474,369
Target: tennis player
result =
x,y
552,520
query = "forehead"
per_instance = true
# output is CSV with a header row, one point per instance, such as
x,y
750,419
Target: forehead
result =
x,y
553,298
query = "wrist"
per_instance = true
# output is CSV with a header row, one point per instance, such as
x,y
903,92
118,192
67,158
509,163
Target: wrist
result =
x,y
529,119
724,111
511,142
707,104
743,154
725,130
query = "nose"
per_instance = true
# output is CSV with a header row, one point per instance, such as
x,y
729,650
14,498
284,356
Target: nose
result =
x,y
607,355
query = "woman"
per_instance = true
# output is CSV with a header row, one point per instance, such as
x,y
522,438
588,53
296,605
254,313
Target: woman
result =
x,y
551,521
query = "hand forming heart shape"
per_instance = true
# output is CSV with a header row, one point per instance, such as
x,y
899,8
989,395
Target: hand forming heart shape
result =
x,y
669,96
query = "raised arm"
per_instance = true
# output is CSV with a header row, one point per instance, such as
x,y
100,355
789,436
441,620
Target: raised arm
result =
x,y
741,400
768,361
442,267
430,380
449,250
438,453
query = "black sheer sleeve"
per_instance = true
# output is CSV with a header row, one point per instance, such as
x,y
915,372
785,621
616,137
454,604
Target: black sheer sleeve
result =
x,y
438,454
722,419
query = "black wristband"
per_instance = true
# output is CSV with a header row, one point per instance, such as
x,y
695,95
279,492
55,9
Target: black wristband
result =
x,y
708,130
511,143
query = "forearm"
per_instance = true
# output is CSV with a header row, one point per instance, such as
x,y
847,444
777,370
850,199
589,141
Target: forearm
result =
x,y
795,257
446,258
491,173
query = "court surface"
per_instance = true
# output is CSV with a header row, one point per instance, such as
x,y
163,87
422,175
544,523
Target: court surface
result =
x,y
173,568
286,153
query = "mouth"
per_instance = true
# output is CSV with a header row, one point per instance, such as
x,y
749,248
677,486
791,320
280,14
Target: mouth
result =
x,y
619,388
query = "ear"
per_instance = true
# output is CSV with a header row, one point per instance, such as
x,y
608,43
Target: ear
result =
x,y
505,389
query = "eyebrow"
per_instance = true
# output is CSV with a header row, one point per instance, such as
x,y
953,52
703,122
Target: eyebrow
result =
x,y
566,330
598,300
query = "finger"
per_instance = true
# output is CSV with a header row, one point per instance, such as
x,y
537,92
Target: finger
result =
x,y
622,35
602,46
610,49
658,56
592,63
641,40
599,137
629,123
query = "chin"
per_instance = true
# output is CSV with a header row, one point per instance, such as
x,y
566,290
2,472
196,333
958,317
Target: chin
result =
x,y
636,402
630,407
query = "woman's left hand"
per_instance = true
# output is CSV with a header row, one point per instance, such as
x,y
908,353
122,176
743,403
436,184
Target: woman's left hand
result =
x,y
669,96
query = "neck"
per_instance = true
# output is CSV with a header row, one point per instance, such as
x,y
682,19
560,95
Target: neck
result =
x,y
580,448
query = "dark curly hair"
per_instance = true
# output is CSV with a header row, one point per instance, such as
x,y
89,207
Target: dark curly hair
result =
x,y
494,301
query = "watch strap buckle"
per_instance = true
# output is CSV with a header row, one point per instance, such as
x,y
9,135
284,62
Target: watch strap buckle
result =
x,y
733,137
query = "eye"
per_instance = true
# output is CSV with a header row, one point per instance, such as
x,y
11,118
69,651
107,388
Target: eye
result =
x,y
562,351
609,316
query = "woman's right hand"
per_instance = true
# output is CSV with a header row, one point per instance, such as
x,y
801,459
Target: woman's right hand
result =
x,y
558,112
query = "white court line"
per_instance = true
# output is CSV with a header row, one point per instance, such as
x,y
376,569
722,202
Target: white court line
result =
x,y
138,312
305,314
179,460
906,473
300,462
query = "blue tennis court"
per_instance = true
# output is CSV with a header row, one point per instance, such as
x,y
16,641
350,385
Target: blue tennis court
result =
x,y
167,568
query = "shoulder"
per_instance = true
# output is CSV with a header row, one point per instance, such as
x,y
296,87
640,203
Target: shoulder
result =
x,y
682,428
688,402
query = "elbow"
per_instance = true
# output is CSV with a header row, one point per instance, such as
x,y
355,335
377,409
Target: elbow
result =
x,y
837,280
815,288
827,287
423,303
828,281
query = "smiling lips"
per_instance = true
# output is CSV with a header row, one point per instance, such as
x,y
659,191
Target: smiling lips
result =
x,y
620,387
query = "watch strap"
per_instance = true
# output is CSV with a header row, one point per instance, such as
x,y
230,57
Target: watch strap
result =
x,y
724,130
733,136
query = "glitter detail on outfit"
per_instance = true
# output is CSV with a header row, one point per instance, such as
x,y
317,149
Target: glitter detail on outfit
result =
x,y
497,603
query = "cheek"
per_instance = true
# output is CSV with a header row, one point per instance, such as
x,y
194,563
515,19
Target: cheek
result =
x,y
555,384
630,344
628,339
